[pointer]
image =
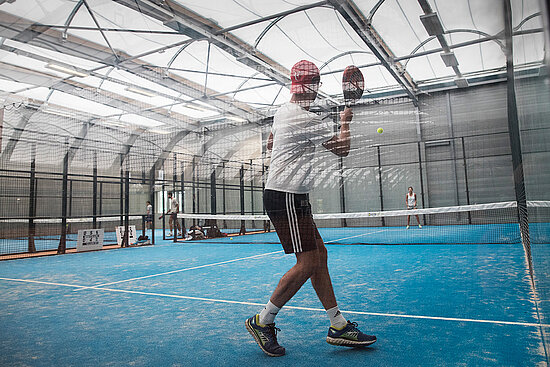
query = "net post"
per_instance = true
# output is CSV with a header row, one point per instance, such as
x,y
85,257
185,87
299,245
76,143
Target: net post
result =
x,y
61,249
515,139
32,201
163,207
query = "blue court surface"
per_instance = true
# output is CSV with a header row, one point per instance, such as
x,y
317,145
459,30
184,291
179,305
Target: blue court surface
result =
x,y
184,304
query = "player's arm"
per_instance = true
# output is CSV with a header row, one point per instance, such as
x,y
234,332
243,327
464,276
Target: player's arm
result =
x,y
270,142
340,144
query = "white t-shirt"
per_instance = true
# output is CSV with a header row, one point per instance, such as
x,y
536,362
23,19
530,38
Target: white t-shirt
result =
x,y
296,133
174,205
411,199
149,209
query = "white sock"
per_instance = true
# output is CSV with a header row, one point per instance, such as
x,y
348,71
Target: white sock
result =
x,y
336,319
267,315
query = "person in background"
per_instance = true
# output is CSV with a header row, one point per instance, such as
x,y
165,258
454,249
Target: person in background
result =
x,y
148,215
174,208
410,202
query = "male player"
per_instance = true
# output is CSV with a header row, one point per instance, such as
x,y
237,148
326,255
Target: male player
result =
x,y
295,134
174,208
148,215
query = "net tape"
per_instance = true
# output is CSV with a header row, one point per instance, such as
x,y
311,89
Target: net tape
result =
x,y
377,214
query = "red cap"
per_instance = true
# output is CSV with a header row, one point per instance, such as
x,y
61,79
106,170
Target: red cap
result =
x,y
303,74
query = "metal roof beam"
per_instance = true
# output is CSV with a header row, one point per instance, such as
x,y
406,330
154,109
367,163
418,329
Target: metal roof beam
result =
x,y
353,16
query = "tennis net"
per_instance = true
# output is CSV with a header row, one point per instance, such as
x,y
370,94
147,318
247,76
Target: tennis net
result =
x,y
493,223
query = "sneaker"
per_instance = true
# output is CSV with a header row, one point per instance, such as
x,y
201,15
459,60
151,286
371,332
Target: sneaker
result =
x,y
349,336
170,234
419,226
266,336
407,227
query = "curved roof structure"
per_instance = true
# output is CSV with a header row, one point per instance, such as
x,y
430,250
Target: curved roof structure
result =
x,y
163,76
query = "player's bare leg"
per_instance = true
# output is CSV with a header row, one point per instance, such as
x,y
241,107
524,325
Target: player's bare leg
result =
x,y
320,280
171,224
294,279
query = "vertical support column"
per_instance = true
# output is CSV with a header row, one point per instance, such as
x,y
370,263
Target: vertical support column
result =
x,y
421,179
94,191
452,147
241,186
100,211
125,241
194,187
174,192
153,203
342,190
267,223
251,187
182,207
61,249
32,201
70,209
515,140
121,202
466,178
143,182
381,194
213,192
223,189
163,186
263,183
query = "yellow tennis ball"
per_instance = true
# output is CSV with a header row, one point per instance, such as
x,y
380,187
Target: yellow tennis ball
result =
x,y
380,130
231,238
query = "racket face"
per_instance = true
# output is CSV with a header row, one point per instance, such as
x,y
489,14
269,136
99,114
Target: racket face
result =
x,y
353,84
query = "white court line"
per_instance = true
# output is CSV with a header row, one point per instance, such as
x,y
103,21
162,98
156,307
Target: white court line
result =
x,y
180,270
214,264
515,323
359,235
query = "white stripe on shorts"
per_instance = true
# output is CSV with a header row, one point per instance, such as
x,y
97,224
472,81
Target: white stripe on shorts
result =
x,y
293,223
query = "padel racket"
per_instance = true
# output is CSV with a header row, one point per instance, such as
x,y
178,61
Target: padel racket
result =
x,y
353,84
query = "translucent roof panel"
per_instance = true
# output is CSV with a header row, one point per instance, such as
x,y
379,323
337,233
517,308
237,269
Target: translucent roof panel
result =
x,y
229,13
43,11
240,72
81,104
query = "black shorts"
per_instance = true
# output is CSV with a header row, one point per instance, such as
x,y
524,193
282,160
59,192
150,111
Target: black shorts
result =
x,y
291,216
149,218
